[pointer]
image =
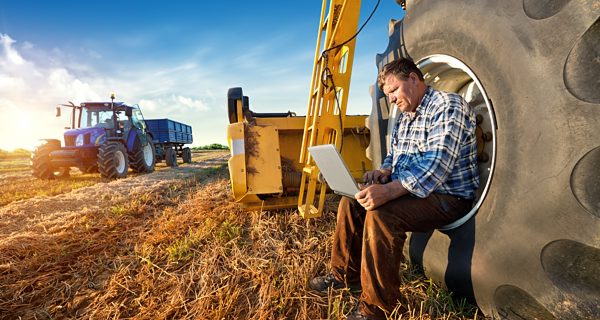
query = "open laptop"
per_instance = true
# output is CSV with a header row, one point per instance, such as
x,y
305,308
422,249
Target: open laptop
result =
x,y
334,169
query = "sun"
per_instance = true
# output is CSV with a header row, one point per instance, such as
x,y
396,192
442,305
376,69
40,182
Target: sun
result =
x,y
24,128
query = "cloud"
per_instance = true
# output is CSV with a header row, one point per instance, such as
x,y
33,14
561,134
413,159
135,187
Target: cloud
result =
x,y
61,80
189,88
11,55
195,105
173,105
29,93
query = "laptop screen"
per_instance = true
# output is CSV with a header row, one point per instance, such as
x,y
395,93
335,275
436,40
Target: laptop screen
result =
x,y
334,169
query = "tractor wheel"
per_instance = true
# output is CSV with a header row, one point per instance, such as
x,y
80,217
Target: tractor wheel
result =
x,y
112,160
89,169
171,157
40,161
62,172
142,158
187,155
531,250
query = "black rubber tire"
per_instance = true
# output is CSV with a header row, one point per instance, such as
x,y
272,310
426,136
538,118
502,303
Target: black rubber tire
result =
x,y
534,61
40,161
62,172
186,155
233,95
171,157
112,160
89,169
142,159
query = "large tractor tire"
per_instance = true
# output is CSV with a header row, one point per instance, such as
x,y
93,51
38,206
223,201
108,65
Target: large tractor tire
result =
x,y
40,161
171,157
112,160
143,158
531,249
186,155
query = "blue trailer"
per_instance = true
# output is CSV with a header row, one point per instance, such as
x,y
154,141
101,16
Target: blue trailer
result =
x,y
169,138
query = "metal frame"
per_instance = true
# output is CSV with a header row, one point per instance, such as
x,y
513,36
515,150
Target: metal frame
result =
x,y
328,98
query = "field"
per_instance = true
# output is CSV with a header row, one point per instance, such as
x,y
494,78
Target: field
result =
x,y
170,245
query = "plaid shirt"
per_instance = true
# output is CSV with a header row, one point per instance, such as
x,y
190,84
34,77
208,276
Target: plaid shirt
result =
x,y
436,150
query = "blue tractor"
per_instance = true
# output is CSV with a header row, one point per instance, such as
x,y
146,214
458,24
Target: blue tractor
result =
x,y
105,137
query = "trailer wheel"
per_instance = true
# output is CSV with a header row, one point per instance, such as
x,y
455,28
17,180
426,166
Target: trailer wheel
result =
x,y
538,66
40,161
171,157
143,158
112,160
187,155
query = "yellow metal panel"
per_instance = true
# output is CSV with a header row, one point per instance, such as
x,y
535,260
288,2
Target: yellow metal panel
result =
x,y
271,203
263,160
290,139
283,123
237,162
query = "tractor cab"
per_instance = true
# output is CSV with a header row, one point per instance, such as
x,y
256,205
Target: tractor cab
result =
x,y
91,123
101,114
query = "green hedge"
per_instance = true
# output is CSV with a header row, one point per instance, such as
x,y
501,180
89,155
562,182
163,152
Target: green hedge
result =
x,y
214,146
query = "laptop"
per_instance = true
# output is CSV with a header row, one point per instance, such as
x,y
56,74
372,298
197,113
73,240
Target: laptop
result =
x,y
334,169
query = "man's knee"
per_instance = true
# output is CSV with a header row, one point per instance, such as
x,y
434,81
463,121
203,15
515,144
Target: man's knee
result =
x,y
381,216
375,223
345,203
349,209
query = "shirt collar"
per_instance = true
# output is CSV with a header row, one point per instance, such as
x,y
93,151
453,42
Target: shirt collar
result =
x,y
425,100
422,105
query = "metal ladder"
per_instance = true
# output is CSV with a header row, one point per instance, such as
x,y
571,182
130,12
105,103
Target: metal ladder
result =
x,y
328,98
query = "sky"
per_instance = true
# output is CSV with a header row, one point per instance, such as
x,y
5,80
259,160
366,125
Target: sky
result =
x,y
176,59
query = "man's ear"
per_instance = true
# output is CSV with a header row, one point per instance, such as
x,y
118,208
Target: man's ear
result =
x,y
413,77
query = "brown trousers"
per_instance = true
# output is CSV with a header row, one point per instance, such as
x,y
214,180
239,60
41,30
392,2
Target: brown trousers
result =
x,y
367,245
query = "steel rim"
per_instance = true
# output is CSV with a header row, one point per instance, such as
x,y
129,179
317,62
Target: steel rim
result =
x,y
449,74
148,155
120,158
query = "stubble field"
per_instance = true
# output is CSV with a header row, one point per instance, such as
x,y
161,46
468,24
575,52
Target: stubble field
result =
x,y
169,245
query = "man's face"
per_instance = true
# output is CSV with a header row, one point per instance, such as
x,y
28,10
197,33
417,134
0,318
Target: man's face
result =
x,y
403,93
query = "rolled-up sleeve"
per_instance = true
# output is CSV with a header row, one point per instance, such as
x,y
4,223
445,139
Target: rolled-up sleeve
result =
x,y
387,162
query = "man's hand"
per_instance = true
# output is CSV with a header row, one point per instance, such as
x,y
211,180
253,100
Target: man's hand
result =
x,y
379,176
375,195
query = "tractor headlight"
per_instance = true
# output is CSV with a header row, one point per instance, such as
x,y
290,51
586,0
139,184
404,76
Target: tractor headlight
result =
x,y
79,140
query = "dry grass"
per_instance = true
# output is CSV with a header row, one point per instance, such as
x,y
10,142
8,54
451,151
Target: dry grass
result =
x,y
184,251
14,188
17,183
13,164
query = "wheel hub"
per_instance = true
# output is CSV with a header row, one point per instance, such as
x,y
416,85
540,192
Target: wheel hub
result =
x,y
449,74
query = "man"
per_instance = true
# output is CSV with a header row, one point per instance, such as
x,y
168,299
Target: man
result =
x,y
427,180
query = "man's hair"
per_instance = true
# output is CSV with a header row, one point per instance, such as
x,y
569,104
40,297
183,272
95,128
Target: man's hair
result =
x,y
400,68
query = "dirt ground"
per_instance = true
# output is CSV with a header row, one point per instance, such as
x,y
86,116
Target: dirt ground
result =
x,y
42,211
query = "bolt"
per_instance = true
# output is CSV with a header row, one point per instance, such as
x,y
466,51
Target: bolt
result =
x,y
479,119
483,157
487,136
